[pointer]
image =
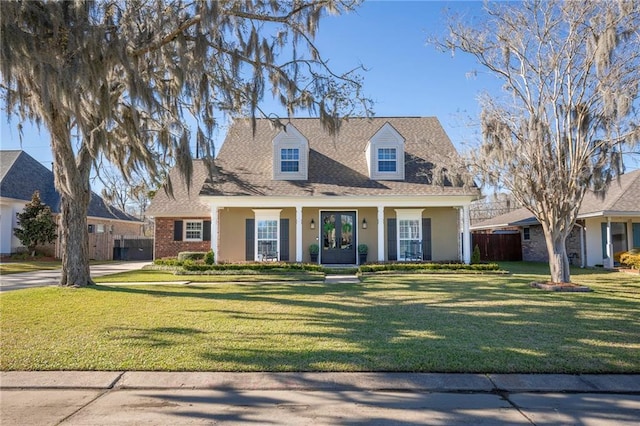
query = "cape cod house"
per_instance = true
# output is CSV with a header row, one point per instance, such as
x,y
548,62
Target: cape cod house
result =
x,y
606,226
21,175
275,192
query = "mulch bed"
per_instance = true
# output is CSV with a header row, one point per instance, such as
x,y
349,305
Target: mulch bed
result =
x,y
551,286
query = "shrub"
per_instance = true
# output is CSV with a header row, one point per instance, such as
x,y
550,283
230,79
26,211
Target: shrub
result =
x,y
631,258
167,261
363,249
191,255
209,258
475,256
314,249
417,267
192,266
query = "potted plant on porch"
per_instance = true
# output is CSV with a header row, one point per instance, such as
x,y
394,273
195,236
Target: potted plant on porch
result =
x,y
314,249
363,249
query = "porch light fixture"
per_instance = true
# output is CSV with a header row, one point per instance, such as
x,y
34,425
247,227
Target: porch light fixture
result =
x,y
364,223
312,225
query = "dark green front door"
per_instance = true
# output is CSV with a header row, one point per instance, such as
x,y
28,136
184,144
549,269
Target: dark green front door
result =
x,y
338,238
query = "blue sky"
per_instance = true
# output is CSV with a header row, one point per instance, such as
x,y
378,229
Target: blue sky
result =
x,y
406,76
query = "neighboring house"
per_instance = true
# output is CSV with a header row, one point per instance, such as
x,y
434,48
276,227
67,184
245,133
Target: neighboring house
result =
x,y
605,226
21,175
274,192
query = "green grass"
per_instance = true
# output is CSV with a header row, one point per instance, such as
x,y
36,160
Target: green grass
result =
x,y
27,266
429,323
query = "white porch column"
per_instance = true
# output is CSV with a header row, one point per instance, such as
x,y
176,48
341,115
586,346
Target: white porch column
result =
x,y
380,233
214,231
298,233
466,234
609,245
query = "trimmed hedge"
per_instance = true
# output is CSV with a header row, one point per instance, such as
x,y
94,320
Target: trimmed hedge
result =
x,y
429,267
256,266
198,266
191,255
167,261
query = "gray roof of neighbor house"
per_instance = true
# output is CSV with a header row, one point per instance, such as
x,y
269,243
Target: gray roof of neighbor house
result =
x,y
21,175
621,199
337,164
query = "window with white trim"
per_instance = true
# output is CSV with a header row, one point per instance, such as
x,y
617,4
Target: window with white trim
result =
x,y
193,230
387,160
289,160
409,234
267,234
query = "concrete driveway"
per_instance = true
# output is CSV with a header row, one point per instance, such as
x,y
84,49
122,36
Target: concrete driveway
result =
x,y
52,277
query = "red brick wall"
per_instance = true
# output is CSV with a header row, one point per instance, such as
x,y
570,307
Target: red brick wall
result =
x,y
166,247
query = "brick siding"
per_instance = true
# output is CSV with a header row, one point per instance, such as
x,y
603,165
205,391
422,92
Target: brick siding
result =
x,y
535,249
164,244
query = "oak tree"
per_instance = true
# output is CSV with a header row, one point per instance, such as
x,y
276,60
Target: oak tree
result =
x,y
129,77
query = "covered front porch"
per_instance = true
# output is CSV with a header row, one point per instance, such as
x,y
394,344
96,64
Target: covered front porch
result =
x,y
391,229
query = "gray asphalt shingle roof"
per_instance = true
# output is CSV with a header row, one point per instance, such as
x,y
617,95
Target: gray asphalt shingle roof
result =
x,y
622,197
21,175
337,164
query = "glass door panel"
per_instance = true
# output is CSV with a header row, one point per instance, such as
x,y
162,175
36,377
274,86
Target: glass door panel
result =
x,y
338,237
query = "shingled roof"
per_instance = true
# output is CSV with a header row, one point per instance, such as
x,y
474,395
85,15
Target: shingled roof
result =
x,y
21,175
185,201
621,199
337,164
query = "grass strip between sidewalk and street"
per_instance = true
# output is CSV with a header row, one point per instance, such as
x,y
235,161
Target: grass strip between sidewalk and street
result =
x,y
405,322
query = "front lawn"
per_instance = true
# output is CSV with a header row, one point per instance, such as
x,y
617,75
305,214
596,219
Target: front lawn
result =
x,y
17,267
429,323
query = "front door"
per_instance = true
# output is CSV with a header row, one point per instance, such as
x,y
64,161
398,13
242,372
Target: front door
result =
x,y
338,238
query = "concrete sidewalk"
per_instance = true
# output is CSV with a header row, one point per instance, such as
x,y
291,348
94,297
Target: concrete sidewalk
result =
x,y
79,398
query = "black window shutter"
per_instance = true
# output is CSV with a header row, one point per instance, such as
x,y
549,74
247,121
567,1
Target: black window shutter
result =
x,y
426,238
250,240
392,236
206,230
177,230
284,240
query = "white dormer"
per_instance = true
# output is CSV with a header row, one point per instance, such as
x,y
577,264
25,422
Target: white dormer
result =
x,y
290,155
385,154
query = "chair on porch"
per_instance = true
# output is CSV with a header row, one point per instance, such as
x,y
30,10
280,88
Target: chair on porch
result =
x,y
414,251
269,251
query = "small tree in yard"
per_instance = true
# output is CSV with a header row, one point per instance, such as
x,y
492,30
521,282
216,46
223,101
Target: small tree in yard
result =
x,y
570,71
37,226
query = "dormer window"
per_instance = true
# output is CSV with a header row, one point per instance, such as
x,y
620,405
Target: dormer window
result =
x,y
387,160
289,160
290,155
385,154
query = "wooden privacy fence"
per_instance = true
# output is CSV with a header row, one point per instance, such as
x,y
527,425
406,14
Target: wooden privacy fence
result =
x,y
497,247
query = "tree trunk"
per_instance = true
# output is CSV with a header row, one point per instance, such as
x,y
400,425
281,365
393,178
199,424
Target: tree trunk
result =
x,y
71,177
558,259
75,242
